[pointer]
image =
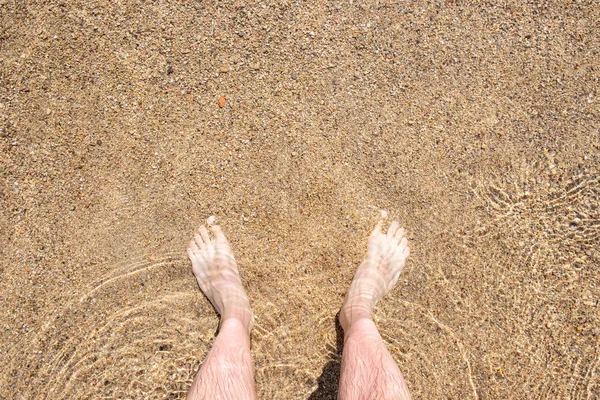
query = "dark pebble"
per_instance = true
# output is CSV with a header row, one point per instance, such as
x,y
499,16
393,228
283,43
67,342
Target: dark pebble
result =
x,y
164,347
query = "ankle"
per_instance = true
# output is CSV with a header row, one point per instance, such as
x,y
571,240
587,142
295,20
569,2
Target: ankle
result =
x,y
351,314
239,320
362,329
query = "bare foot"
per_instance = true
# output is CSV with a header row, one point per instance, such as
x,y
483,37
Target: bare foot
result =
x,y
217,274
378,273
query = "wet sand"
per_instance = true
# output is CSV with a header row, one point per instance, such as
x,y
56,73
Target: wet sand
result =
x,y
123,125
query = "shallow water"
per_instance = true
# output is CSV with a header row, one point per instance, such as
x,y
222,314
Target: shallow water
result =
x,y
476,126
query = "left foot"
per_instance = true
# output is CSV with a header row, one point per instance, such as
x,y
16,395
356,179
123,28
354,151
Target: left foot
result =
x,y
217,274
378,273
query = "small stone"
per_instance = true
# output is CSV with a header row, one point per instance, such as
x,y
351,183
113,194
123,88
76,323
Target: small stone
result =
x,y
224,69
72,208
164,347
222,101
169,70
331,280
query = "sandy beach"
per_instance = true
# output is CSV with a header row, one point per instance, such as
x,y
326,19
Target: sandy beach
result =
x,y
125,124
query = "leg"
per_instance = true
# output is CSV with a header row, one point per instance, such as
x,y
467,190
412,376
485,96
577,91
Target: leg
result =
x,y
368,370
227,372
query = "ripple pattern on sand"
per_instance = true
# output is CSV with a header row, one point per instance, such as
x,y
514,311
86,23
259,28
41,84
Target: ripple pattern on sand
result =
x,y
157,336
535,251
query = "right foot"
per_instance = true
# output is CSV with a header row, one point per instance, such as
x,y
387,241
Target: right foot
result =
x,y
378,273
217,274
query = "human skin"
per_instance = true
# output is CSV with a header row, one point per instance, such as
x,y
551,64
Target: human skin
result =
x,y
227,372
368,371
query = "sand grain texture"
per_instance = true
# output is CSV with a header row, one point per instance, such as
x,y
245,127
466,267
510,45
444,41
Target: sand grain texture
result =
x,y
477,125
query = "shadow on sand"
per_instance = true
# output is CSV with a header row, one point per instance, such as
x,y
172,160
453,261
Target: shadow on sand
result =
x,y
330,377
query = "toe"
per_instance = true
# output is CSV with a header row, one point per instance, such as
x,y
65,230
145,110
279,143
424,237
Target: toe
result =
x,y
204,234
403,243
219,235
377,229
199,241
399,235
395,278
392,229
190,254
192,247
402,252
